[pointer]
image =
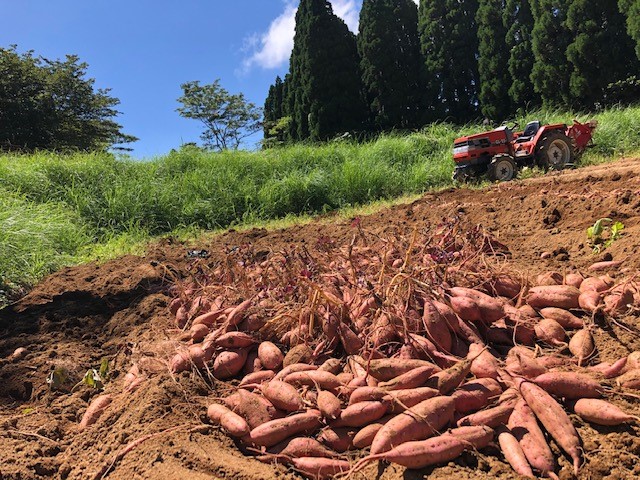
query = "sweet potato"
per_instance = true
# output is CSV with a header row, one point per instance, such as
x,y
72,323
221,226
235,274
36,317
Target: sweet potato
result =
x,y
96,408
491,417
328,404
448,380
236,315
235,340
436,326
466,308
514,454
350,341
419,422
606,265
564,317
256,378
554,419
252,364
185,359
523,365
573,279
524,427
602,412
320,468
331,365
505,286
596,284
229,363
484,365
270,355
363,394
209,319
233,423
590,301
478,436
610,370
339,439
570,385
400,400
475,394
360,414
283,396
582,345
550,332
198,333
254,408
366,434
270,433
385,369
302,447
412,379
560,296
549,278
630,379
619,301
448,314
312,378
296,367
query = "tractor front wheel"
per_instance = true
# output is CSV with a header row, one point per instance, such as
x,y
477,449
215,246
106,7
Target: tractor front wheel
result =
x,y
554,151
502,168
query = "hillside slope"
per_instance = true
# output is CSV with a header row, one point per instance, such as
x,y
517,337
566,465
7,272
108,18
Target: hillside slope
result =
x,y
79,315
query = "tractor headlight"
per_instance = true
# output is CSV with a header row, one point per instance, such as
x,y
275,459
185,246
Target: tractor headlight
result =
x,y
461,150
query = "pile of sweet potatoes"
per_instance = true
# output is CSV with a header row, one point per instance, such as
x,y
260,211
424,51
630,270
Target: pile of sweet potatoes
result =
x,y
410,350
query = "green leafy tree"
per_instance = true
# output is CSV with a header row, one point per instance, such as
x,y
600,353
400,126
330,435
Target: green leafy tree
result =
x,y
228,118
518,20
391,64
51,105
631,8
325,92
449,44
493,60
601,52
550,39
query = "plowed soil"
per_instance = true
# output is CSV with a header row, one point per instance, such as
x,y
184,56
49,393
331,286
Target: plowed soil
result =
x,y
118,310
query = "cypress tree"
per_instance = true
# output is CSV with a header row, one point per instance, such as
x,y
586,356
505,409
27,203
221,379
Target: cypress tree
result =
x,y
601,52
449,44
493,60
391,64
326,88
518,20
273,107
550,39
631,8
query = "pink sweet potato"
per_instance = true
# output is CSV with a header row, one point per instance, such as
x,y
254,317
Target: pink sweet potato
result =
x,y
560,296
312,378
590,301
385,369
339,439
491,417
630,379
366,434
302,447
412,379
400,400
229,363
514,454
320,468
436,327
235,340
484,365
570,385
602,412
328,404
360,414
582,345
96,408
554,419
283,396
296,367
475,394
564,317
233,423
550,332
256,378
419,422
270,433
270,355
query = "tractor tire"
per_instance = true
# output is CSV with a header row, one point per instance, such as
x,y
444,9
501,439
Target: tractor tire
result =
x,y
555,151
502,168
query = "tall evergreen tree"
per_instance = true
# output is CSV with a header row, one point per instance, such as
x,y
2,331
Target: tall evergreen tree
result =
x,y
631,8
492,60
449,44
391,64
273,106
518,20
326,89
601,52
550,39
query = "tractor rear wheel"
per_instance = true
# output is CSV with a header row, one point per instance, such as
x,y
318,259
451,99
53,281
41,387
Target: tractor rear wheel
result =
x,y
502,168
554,151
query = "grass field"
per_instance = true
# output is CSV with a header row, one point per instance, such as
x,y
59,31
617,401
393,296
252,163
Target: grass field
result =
x,y
57,210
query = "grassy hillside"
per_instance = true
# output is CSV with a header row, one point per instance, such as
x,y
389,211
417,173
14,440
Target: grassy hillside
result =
x,y
64,209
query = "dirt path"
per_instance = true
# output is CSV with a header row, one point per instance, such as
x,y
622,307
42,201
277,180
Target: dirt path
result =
x,y
80,315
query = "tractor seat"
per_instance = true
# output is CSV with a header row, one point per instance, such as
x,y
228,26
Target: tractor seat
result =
x,y
529,131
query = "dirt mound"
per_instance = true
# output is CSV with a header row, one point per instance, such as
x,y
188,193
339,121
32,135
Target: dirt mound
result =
x,y
78,316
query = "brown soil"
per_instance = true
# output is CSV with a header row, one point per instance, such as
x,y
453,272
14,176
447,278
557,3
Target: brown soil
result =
x,y
79,315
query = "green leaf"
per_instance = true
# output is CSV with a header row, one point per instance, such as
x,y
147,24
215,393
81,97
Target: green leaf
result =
x,y
104,368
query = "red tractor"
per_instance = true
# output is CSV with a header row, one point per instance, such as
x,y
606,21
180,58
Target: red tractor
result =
x,y
501,152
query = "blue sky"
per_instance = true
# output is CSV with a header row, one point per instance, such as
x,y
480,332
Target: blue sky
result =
x,y
143,50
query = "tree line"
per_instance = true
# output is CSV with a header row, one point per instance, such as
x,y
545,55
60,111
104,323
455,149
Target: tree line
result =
x,y
451,60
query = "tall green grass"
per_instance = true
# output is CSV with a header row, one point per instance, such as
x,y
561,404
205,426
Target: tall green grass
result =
x,y
81,206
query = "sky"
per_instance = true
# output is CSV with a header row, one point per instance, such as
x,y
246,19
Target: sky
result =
x,y
143,50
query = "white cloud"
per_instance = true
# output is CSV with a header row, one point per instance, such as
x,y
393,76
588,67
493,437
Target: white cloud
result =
x,y
272,48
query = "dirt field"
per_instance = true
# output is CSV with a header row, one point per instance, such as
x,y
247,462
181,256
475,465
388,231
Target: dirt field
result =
x,y
80,315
